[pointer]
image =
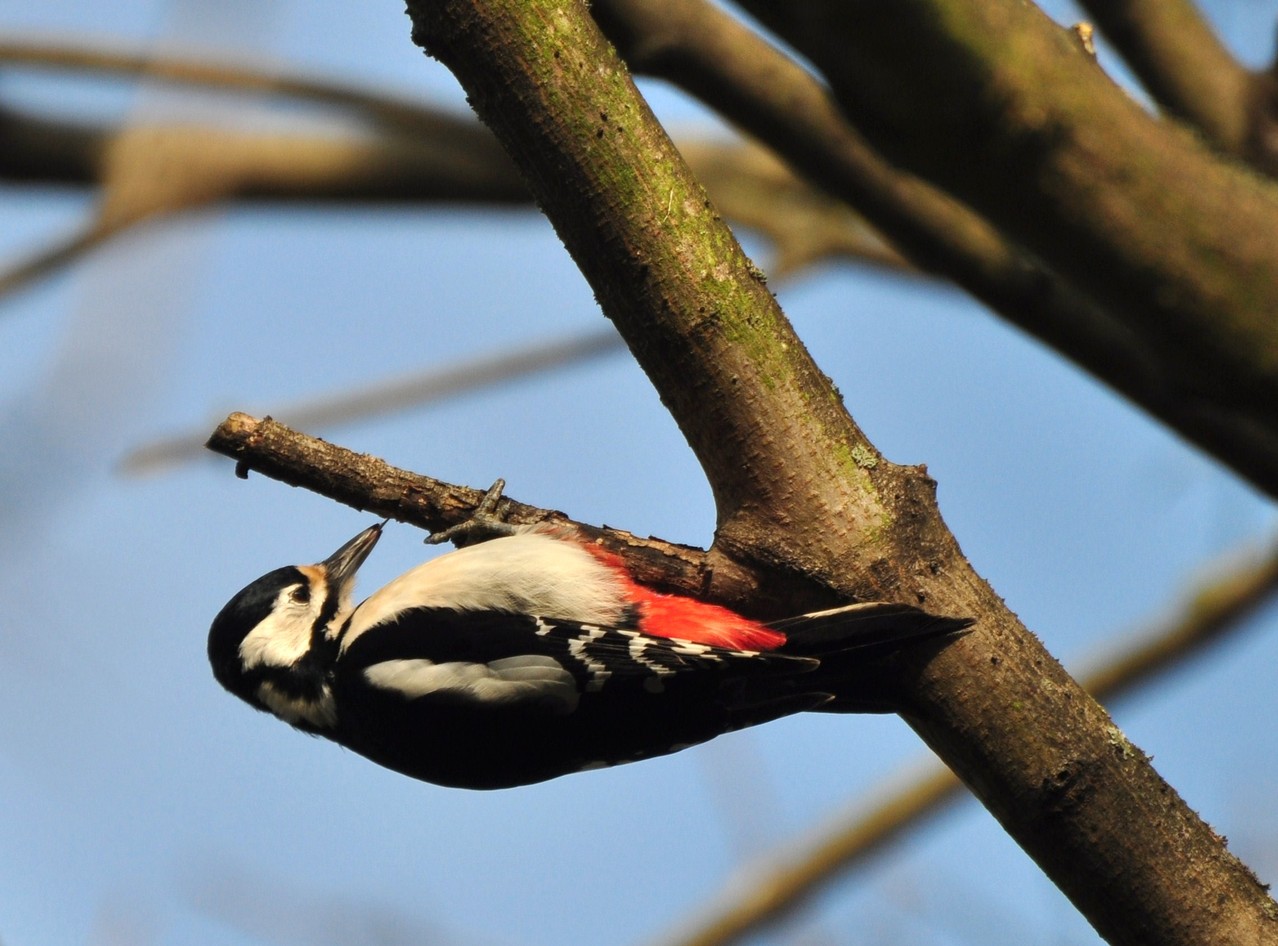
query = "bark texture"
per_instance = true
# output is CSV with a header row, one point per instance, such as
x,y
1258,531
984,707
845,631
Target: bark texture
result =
x,y
805,502
1009,113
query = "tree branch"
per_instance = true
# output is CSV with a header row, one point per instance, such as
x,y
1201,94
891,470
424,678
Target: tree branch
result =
x,y
398,394
459,162
999,106
43,261
153,170
784,881
377,107
366,483
754,85
1177,56
806,503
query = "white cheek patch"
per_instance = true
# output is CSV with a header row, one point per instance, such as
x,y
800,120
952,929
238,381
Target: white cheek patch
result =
x,y
529,680
283,637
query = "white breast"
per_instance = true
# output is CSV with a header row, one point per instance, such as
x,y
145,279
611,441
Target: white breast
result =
x,y
522,574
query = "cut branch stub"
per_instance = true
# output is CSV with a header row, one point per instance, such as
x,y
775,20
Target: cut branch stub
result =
x,y
367,483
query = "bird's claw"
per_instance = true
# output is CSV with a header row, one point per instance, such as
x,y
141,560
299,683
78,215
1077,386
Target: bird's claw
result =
x,y
484,522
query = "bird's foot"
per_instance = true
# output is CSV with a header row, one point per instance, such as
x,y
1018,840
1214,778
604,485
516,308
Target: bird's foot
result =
x,y
483,524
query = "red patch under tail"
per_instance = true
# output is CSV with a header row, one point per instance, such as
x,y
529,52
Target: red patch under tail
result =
x,y
674,616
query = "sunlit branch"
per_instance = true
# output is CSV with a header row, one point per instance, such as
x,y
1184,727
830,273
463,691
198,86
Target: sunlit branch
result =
x,y
265,446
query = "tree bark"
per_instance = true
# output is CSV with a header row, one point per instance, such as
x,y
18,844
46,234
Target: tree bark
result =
x,y
753,84
1184,66
1006,111
805,502
265,446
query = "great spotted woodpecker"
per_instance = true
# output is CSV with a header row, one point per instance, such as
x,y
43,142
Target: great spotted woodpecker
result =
x,y
532,655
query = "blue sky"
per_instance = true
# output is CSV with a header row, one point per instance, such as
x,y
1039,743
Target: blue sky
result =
x,y
141,804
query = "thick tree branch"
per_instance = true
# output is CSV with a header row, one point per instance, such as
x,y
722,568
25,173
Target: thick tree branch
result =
x,y
806,502
784,881
761,90
789,879
1003,109
754,85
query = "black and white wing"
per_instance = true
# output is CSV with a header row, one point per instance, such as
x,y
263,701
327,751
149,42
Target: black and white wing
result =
x,y
492,700
499,660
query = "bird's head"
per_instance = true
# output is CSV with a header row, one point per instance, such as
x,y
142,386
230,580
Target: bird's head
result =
x,y
272,644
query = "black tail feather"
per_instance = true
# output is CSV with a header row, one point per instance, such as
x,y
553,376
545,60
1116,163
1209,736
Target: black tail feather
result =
x,y
774,707
854,645
872,629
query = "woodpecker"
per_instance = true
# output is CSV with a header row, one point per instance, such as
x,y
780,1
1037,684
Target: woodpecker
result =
x,y
534,654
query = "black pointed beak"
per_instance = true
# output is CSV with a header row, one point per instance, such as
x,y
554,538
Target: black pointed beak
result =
x,y
342,565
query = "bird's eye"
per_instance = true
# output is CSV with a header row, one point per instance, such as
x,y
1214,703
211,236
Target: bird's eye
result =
x,y
301,594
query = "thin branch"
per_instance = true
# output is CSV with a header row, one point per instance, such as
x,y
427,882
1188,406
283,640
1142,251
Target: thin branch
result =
x,y
205,164
461,163
378,107
784,881
386,397
48,260
367,483
1177,56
